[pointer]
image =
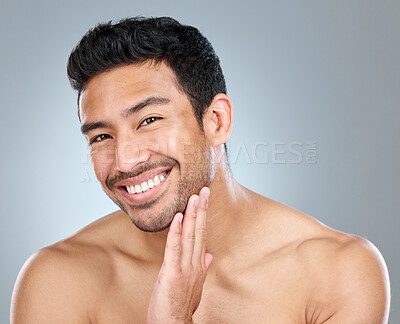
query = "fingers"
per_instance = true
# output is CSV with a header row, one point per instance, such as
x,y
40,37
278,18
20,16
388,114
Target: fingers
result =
x,y
199,251
172,254
178,290
188,231
186,241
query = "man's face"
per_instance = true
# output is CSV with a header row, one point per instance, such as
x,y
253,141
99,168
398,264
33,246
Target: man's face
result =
x,y
147,149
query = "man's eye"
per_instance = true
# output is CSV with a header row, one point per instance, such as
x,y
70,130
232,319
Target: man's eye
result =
x,y
149,120
100,138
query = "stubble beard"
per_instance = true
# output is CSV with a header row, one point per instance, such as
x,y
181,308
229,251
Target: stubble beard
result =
x,y
199,173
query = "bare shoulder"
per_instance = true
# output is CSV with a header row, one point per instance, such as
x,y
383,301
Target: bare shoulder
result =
x,y
346,276
327,252
63,277
349,280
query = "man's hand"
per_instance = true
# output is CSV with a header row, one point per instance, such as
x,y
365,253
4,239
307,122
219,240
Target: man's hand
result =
x,y
179,286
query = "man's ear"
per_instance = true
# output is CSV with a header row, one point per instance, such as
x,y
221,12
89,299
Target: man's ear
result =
x,y
218,120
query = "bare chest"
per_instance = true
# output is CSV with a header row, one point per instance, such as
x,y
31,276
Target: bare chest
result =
x,y
254,296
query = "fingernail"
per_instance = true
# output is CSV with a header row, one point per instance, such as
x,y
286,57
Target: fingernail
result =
x,y
207,194
196,201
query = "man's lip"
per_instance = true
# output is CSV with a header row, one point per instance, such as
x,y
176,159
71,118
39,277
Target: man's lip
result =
x,y
143,177
149,195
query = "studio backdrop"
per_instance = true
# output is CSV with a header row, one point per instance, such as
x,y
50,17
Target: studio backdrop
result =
x,y
316,93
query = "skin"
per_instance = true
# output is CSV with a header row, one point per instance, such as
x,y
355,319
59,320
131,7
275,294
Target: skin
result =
x,y
229,254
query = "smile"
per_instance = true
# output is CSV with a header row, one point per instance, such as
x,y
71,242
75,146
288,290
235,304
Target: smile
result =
x,y
146,185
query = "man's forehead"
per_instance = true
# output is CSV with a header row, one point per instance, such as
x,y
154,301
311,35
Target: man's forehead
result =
x,y
127,82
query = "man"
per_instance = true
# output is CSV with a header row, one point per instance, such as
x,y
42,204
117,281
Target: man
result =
x,y
153,106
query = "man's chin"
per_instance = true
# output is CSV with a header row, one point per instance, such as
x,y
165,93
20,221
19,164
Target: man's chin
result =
x,y
150,228
157,214
156,219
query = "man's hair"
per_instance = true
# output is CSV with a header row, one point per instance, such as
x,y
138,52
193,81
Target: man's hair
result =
x,y
134,40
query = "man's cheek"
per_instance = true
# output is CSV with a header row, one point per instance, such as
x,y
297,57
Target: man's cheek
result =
x,y
102,155
189,153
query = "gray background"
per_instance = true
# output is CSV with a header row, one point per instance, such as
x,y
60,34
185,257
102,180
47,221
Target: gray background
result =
x,y
297,71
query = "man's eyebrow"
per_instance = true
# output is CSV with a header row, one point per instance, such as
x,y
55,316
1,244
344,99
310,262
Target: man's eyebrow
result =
x,y
154,100
87,127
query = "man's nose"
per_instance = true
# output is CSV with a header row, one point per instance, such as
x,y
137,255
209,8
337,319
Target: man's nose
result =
x,y
128,154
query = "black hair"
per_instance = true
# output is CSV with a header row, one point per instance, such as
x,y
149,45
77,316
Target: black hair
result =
x,y
134,40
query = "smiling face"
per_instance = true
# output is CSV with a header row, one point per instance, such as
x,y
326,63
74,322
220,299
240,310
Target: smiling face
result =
x,y
147,149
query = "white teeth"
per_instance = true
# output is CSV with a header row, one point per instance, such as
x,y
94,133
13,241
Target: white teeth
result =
x,y
150,183
130,189
144,186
